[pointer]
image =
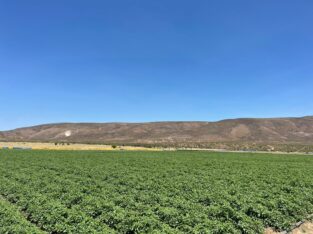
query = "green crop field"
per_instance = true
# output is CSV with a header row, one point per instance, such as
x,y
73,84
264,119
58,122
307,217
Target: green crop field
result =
x,y
152,192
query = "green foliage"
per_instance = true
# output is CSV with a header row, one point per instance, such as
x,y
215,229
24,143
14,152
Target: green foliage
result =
x,y
152,192
13,222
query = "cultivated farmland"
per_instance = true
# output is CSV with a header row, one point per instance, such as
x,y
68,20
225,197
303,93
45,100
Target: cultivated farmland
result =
x,y
152,192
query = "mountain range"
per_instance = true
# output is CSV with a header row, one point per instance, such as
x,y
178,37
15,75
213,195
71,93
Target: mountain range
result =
x,y
253,130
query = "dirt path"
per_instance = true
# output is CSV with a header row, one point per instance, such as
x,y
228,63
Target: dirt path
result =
x,y
304,228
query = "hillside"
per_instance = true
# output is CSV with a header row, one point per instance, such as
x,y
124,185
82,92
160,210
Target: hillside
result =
x,y
275,130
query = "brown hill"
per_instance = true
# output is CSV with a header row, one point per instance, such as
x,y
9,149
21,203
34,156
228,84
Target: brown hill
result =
x,y
276,130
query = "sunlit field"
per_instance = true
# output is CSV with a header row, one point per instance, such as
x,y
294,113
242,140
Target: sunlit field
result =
x,y
152,192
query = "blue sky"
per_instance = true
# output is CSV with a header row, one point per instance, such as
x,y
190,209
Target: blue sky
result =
x,y
135,61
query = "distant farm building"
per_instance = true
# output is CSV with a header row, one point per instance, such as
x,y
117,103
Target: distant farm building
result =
x,y
22,148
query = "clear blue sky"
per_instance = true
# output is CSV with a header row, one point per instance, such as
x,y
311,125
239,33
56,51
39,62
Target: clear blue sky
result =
x,y
130,60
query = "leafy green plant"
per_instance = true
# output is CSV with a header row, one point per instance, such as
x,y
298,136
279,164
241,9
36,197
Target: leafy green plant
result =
x,y
152,192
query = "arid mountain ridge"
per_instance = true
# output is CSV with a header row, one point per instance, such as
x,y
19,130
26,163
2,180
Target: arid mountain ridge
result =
x,y
271,130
